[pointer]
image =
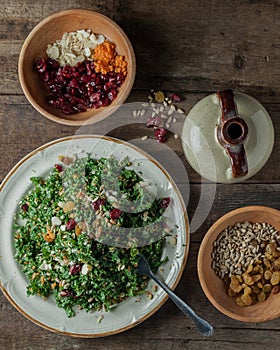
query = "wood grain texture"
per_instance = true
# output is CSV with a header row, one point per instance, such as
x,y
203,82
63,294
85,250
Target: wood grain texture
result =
x,y
193,45
194,48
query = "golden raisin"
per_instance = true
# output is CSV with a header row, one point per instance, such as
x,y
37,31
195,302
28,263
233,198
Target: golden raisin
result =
x,y
257,277
267,288
231,293
270,248
267,275
240,302
247,291
275,278
276,264
234,284
261,296
246,299
248,279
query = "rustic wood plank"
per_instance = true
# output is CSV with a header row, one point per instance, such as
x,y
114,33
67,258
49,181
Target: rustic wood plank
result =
x,y
193,47
16,143
228,198
188,44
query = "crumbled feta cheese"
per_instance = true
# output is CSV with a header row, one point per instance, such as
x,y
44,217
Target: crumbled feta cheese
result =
x,y
44,266
56,221
85,269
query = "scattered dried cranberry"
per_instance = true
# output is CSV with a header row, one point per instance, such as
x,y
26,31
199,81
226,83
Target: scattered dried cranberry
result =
x,y
115,213
59,167
75,89
175,98
70,224
154,121
24,207
160,134
96,204
75,269
164,203
66,293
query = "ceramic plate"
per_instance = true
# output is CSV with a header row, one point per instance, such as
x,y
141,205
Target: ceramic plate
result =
x,y
133,310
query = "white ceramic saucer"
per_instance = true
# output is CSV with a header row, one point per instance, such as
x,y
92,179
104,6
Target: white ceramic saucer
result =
x,y
202,149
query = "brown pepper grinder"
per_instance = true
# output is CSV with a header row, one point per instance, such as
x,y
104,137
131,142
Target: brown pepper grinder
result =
x,y
232,133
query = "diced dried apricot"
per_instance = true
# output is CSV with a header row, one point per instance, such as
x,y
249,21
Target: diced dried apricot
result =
x,y
49,236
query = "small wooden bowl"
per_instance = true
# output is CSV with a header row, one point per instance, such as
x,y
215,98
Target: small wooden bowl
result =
x,y
214,287
52,29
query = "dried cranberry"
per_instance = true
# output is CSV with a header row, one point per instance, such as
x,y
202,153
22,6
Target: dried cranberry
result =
x,y
59,167
160,134
80,107
46,76
53,64
112,94
74,89
115,213
95,97
105,101
40,65
175,98
67,109
70,224
164,203
74,83
67,72
154,121
66,293
96,204
75,269
25,207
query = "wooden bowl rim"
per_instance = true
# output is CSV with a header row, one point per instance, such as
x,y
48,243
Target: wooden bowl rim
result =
x,y
208,237
105,111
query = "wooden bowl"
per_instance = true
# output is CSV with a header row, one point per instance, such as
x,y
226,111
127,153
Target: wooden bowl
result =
x,y
52,29
214,287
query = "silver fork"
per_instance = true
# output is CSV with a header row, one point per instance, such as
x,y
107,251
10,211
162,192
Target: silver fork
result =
x,y
202,325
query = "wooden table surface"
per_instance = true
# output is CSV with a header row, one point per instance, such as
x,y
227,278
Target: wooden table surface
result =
x,y
194,48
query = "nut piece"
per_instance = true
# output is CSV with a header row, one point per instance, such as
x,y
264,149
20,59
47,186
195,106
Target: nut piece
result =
x,y
74,47
49,236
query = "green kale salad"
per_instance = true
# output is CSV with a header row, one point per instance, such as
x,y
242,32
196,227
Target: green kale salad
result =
x,y
78,233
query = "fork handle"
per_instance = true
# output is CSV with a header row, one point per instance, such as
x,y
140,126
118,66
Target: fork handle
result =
x,y
202,325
